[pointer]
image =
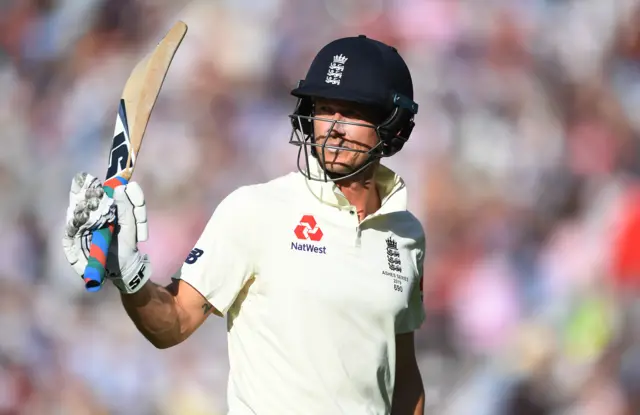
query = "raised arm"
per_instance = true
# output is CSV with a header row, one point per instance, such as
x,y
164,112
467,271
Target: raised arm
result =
x,y
167,316
213,273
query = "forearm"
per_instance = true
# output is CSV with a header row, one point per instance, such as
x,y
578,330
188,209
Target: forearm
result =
x,y
156,314
408,396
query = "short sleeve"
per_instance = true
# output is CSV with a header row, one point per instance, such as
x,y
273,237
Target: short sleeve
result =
x,y
412,317
223,258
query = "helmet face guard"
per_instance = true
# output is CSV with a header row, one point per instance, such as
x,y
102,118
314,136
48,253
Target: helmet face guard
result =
x,y
361,71
392,134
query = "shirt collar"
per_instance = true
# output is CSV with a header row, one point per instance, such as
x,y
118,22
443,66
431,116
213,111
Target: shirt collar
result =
x,y
392,189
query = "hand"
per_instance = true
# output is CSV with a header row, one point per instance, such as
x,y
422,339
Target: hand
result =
x,y
89,209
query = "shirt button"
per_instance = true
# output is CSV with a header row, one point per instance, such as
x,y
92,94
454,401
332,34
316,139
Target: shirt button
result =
x,y
352,212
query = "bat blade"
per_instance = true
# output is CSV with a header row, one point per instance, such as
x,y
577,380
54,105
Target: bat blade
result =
x,y
138,99
134,111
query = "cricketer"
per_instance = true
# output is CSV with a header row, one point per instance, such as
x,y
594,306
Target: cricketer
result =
x,y
318,272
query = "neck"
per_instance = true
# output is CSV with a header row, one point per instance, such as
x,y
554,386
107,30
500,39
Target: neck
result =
x,y
361,192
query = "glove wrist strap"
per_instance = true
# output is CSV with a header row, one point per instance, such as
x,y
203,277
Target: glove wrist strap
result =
x,y
134,276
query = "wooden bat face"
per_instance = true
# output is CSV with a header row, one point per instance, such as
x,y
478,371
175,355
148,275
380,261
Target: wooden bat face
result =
x,y
137,102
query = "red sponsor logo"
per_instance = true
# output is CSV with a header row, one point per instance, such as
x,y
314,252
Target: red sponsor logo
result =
x,y
308,229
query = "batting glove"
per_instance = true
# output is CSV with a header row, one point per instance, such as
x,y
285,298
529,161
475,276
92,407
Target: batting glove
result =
x,y
89,209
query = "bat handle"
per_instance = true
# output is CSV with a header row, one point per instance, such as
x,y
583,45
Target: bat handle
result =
x,y
101,238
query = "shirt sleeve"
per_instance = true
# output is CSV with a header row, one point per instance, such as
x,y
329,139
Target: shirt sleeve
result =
x,y
412,317
223,258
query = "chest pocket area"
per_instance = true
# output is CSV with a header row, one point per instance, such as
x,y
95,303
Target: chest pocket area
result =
x,y
335,274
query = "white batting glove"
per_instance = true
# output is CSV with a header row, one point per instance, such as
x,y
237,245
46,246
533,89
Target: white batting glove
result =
x,y
87,211
89,208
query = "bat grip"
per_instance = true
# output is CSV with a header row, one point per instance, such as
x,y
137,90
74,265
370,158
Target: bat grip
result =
x,y
101,238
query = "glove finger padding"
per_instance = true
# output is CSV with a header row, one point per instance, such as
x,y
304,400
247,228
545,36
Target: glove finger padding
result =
x,y
89,207
128,268
75,242
130,199
75,253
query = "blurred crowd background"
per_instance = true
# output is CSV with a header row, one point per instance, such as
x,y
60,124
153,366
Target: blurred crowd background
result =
x,y
524,169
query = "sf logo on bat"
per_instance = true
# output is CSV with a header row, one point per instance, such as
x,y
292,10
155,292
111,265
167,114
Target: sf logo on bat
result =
x,y
121,147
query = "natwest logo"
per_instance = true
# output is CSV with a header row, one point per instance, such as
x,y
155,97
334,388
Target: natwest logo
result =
x,y
308,229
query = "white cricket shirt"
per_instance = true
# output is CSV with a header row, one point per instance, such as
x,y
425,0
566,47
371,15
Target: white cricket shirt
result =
x,y
313,298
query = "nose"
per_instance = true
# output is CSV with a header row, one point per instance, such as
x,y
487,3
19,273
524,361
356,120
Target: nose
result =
x,y
338,127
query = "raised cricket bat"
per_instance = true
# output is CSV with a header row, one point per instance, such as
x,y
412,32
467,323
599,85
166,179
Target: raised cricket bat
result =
x,y
136,103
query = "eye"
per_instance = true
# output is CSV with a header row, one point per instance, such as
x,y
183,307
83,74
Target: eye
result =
x,y
351,113
325,110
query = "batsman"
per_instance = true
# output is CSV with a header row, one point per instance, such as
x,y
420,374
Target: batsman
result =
x,y
318,272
